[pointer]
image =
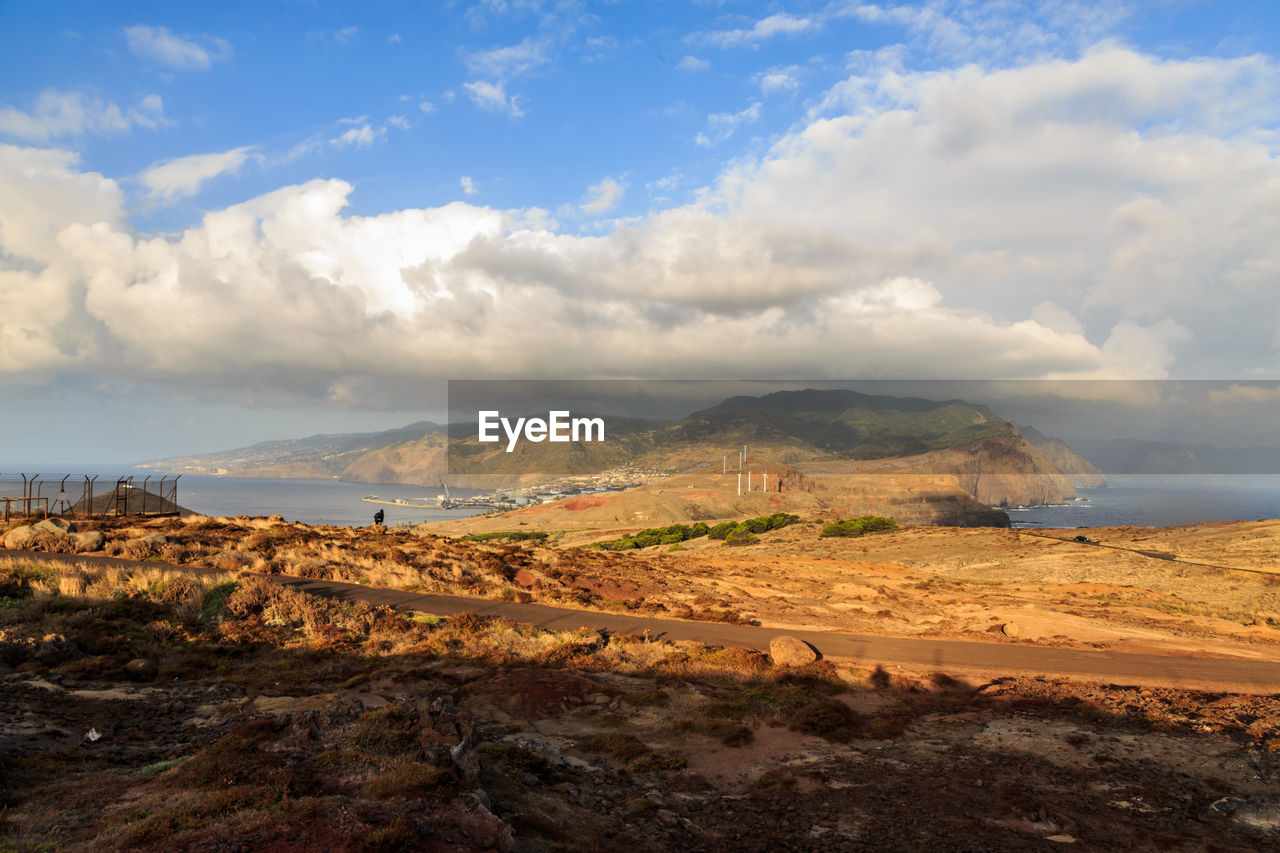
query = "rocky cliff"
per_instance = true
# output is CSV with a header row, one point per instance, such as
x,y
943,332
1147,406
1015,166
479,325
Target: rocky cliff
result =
x,y
1082,473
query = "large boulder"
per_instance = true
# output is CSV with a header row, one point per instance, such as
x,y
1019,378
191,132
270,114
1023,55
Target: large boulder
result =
x,y
786,650
19,538
52,526
141,669
89,540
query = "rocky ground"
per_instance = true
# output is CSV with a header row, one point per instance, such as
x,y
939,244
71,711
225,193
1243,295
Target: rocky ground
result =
x,y
144,710
1159,590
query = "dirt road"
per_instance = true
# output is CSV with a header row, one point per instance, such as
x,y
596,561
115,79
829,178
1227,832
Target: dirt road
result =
x,y
943,655
938,654
1153,555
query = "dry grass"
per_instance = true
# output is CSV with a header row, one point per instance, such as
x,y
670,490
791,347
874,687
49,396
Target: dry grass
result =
x,y
347,773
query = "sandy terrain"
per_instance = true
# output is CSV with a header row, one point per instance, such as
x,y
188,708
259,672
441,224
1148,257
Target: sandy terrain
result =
x,y
965,582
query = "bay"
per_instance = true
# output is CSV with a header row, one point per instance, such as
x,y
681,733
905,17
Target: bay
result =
x,y
313,501
1161,501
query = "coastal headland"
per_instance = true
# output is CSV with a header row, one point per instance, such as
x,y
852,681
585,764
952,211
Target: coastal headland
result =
x,y
176,680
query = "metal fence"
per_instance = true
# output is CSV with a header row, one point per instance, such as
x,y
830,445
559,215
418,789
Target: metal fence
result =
x,y
87,495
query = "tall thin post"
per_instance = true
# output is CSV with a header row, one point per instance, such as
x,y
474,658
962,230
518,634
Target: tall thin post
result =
x,y
748,481
739,482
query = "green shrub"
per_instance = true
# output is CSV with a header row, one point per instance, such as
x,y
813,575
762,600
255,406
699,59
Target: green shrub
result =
x,y
858,526
674,534
509,535
721,530
16,581
215,599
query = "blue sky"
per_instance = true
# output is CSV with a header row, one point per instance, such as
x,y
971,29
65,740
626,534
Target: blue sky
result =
x,y
232,222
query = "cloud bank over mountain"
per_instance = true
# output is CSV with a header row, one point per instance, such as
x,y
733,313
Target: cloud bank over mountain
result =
x,y
1112,215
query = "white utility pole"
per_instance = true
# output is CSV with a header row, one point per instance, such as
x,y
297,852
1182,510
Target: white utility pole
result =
x,y
748,481
739,482
766,481
724,464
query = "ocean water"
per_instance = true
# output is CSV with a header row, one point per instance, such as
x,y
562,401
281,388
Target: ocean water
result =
x,y
1137,500
311,501
1161,501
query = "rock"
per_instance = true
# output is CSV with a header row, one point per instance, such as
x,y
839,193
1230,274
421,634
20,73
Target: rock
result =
x,y
52,526
18,538
155,540
89,540
231,561
141,669
469,814
1258,813
1010,629
15,649
791,651
448,736
55,648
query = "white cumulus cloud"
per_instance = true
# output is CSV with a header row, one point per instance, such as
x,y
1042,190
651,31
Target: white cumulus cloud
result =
x,y
780,24
781,79
504,63
721,126
58,114
183,176
604,196
182,53
494,98
1112,215
361,136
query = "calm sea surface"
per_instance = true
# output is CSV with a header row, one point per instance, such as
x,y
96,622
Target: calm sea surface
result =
x,y
310,501
1161,501
1157,501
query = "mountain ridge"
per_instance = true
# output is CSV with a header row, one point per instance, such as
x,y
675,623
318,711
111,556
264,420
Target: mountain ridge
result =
x,y
838,430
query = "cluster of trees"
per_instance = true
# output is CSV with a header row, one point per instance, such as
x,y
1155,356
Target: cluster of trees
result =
x,y
732,532
744,532
672,534
858,526
509,535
